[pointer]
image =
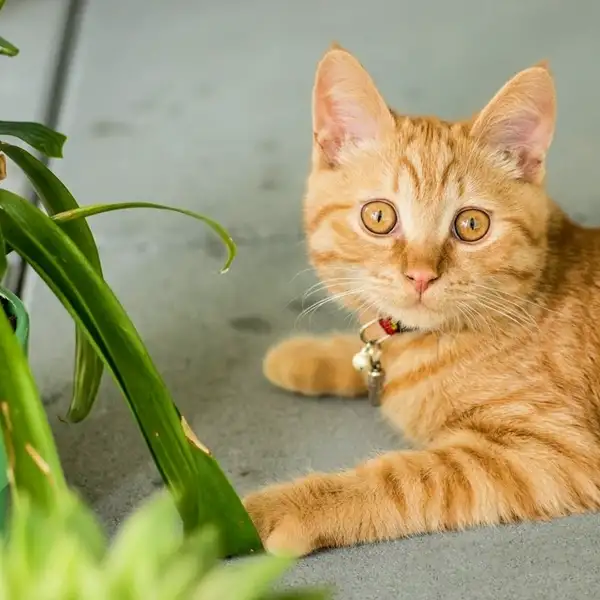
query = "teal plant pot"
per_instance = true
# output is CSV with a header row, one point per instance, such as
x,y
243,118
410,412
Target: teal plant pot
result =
x,y
17,310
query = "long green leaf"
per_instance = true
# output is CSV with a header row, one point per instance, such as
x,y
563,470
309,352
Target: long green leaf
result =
x,y
96,209
38,136
198,554
3,260
81,522
151,531
47,554
7,48
202,492
56,198
34,465
244,580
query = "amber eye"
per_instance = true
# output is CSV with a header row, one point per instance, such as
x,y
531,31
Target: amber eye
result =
x,y
379,216
471,225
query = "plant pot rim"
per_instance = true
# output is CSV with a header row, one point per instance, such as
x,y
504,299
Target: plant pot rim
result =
x,y
21,314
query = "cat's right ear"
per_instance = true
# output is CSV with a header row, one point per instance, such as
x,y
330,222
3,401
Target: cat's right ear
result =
x,y
519,121
347,108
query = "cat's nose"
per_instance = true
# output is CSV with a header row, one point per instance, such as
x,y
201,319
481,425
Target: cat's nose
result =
x,y
421,278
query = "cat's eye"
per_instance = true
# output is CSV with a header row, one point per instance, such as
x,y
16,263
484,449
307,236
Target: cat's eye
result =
x,y
471,225
379,217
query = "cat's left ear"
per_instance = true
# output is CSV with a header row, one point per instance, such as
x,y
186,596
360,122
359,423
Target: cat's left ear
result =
x,y
347,107
520,121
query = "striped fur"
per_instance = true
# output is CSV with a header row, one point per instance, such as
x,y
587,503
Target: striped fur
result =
x,y
499,389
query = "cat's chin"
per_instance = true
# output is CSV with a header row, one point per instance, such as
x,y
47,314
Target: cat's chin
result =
x,y
419,318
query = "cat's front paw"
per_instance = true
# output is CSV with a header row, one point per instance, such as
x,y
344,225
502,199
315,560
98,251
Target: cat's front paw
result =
x,y
281,521
315,366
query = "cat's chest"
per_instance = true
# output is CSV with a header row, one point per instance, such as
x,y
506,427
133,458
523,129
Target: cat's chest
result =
x,y
425,377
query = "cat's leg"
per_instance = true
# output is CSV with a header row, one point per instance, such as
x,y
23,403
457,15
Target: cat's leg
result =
x,y
467,480
316,366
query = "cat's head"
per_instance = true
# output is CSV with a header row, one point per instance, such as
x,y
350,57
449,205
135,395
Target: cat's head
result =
x,y
427,221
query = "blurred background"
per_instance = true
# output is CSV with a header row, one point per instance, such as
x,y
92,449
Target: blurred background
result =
x,y
206,105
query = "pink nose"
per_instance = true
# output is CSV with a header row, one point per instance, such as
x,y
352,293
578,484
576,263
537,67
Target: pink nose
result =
x,y
421,278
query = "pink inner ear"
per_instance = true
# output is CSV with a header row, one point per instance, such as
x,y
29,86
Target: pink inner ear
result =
x,y
526,137
520,119
346,105
340,119
525,131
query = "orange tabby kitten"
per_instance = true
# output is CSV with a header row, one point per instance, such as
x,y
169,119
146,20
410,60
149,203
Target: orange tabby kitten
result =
x,y
446,228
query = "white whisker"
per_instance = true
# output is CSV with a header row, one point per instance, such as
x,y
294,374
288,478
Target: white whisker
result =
x,y
502,302
513,296
329,299
507,314
323,285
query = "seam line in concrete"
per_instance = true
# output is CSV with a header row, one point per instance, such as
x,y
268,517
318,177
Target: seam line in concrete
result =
x,y
54,103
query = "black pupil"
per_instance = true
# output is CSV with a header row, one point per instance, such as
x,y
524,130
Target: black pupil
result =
x,y
379,216
472,224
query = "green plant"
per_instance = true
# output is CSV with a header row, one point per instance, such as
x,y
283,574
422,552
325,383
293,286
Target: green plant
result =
x,y
54,548
59,246
67,557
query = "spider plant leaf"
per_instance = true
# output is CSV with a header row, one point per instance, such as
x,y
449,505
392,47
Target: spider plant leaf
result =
x,y
38,136
56,198
247,579
33,463
96,209
7,48
201,490
3,259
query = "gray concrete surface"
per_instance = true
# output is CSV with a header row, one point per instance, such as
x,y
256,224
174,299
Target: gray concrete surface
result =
x,y
35,27
206,105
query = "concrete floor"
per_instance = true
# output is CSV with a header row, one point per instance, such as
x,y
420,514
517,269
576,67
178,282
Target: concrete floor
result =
x,y
207,105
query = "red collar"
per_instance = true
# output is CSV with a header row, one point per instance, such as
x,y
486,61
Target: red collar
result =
x,y
392,327
389,326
